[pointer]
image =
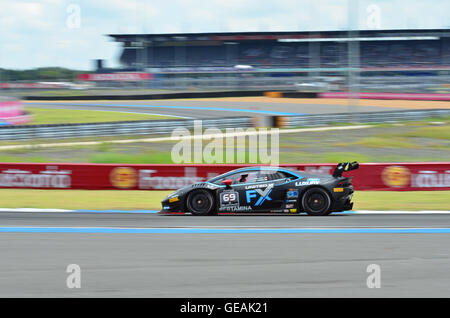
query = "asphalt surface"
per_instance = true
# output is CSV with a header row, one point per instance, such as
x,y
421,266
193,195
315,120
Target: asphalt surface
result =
x,y
207,108
223,265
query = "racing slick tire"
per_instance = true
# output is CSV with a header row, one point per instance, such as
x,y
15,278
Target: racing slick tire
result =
x,y
200,202
316,201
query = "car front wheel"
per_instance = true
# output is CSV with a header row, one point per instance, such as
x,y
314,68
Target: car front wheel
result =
x,y
316,201
200,202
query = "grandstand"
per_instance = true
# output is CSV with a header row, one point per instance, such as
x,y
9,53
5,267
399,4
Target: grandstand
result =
x,y
379,49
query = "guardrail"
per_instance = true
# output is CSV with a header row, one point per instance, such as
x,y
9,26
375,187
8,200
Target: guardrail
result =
x,y
161,127
366,117
418,176
145,127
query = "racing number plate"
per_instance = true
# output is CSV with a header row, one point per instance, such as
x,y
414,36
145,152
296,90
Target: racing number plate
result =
x,y
229,198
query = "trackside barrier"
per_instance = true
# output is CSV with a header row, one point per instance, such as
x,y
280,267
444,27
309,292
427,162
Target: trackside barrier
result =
x,y
140,127
158,127
365,117
370,176
405,96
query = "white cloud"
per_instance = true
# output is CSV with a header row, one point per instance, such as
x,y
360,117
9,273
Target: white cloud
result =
x,y
34,33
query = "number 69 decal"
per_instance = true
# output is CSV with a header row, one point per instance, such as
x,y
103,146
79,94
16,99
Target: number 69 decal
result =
x,y
228,198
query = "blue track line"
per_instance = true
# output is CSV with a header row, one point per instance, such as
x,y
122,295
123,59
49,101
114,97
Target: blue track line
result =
x,y
266,112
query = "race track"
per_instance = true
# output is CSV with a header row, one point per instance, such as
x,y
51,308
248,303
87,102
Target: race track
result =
x,y
210,108
151,255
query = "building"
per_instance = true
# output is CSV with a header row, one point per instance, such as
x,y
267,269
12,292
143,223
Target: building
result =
x,y
376,49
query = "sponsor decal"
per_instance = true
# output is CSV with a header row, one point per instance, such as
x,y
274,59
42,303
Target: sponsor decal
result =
x,y
338,189
292,194
396,176
229,198
257,186
431,179
263,195
289,206
148,181
293,210
307,182
49,178
123,177
205,185
174,199
235,208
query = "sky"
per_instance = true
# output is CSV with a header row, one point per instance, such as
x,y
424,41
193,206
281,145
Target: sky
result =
x,y
71,33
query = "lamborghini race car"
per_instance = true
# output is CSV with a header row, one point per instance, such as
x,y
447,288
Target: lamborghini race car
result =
x,y
266,189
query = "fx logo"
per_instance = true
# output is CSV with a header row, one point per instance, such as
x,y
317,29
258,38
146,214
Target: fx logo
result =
x,y
264,195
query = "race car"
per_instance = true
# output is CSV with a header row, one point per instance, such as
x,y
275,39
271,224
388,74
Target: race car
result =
x,y
266,189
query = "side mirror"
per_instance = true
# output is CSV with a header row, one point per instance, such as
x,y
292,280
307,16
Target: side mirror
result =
x,y
227,182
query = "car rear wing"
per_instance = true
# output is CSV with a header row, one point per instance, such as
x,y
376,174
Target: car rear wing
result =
x,y
345,166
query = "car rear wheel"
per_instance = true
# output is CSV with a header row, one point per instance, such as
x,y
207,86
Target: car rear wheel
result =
x,y
200,202
316,201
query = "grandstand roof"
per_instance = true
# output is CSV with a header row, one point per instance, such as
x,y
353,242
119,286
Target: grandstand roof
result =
x,y
262,36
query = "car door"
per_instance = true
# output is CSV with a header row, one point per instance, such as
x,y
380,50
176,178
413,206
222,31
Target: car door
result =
x,y
260,191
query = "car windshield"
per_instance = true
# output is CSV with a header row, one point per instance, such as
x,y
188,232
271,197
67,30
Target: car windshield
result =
x,y
251,176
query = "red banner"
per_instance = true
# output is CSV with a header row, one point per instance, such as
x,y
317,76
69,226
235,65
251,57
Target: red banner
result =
x,y
115,77
369,176
407,96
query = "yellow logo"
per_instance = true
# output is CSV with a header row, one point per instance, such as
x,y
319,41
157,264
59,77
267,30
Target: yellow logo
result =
x,y
123,177
174,199
396,176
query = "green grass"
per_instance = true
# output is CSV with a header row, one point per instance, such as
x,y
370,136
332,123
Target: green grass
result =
x,y
437,132
155,156
345,156
104,155
381,142
11,158
149,158
431,132
150,200
396,200
43,116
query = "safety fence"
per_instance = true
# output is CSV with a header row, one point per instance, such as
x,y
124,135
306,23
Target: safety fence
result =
x,y
141,127
164,127
369,176
363,117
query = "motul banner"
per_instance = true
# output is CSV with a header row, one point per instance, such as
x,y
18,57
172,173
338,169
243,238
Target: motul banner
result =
x,y
369,176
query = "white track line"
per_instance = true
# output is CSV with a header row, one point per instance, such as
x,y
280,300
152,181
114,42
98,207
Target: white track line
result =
x,y
397,212
360,212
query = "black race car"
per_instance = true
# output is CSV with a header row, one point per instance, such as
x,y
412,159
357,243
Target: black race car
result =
x,y
266,189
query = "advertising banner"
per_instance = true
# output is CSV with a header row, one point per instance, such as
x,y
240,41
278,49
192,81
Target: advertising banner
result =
x,y
115,77
369,176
